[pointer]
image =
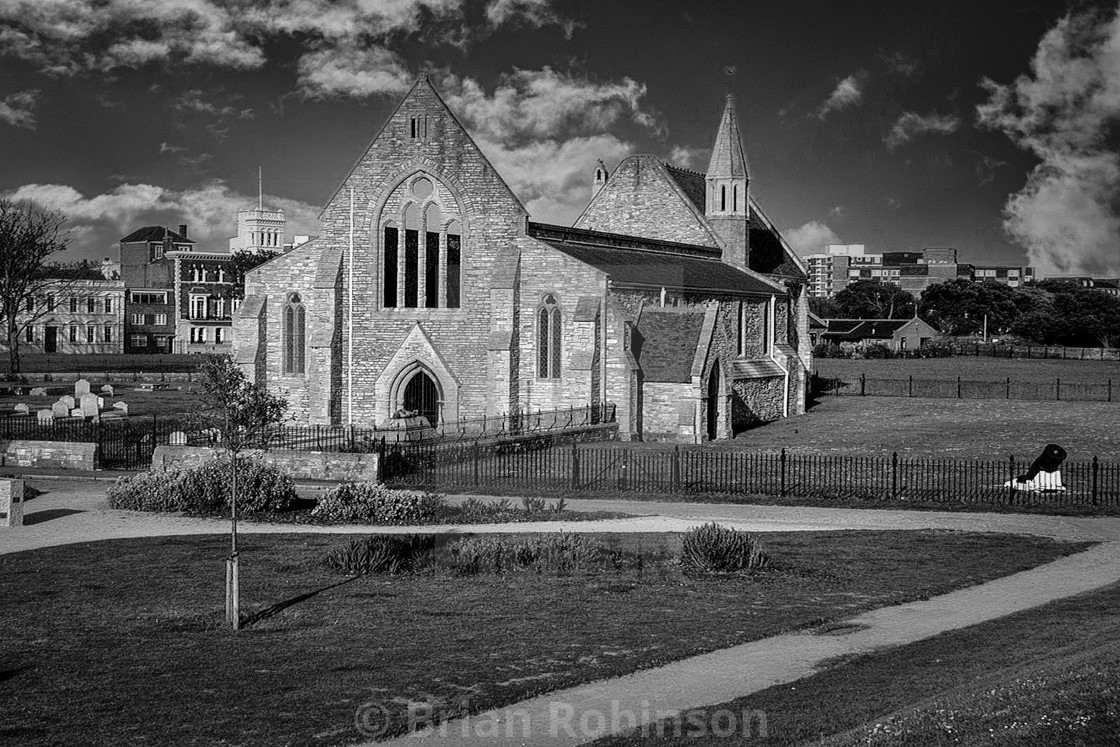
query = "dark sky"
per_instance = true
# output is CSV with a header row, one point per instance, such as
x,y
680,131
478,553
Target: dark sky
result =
x,y
861,117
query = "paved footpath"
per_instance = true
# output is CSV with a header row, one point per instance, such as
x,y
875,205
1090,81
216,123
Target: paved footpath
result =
x,y
75,511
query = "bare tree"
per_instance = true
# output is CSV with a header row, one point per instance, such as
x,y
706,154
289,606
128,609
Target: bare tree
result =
x,y
29,236
244,415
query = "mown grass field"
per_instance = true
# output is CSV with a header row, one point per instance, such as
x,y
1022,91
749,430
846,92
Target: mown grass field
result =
x,y
1047,677
122,643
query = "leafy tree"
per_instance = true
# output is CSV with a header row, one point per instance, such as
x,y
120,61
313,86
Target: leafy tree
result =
x,y
871,299
244,415
959,307
242,263
825,308
29,236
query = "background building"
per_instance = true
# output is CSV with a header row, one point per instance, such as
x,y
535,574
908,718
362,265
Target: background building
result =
x,y
75,315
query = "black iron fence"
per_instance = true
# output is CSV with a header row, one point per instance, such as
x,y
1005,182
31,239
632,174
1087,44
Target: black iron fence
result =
x,y
1059,352
615,469
123,443
960,388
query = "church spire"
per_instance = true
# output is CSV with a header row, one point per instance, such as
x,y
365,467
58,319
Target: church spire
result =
x,y
727,203
729,160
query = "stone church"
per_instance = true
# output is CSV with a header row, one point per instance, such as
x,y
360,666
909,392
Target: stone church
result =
x,y
430,290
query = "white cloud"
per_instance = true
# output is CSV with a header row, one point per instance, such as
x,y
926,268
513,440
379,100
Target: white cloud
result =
x,y
811,237
535,104
911,125
18,109
848,92
97,223
690,158
345,45
1066,112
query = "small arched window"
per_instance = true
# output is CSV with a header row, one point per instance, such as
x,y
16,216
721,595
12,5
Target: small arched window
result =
x,y
723,197
294,335
548,339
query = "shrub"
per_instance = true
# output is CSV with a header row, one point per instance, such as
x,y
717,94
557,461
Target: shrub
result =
x,y
371,502
878,351
533,505
553,553
720,549
937,348
206,489
380,554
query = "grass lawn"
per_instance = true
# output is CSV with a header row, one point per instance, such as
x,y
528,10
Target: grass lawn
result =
x,y
120,642
949,428
969,368
1047,676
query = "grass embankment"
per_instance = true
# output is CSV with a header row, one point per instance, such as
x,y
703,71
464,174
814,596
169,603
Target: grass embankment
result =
x,y
122,641
1045,677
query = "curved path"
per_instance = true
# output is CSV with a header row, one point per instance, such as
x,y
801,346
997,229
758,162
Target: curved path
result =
x,y
76,512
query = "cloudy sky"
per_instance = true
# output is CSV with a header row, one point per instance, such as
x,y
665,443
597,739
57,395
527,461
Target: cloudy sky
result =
x,y
990,127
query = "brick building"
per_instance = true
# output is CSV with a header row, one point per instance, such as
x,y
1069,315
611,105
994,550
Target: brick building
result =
x,y
430,291
179,298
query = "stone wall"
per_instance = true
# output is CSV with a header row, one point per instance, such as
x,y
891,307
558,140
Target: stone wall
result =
x,y
640,199
51,454
300,465
669,412
756,401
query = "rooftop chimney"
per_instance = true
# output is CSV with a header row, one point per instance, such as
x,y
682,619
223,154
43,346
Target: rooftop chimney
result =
x,y
183,230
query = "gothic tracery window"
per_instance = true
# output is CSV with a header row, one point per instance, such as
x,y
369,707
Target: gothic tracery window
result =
x,y
549,334
294,335
421,248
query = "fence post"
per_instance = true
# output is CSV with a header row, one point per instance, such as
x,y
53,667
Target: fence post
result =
x,y
894,475
783,460
477,463
863,385
1058,390
675,475
910,386
1096,469
380,459
1011,483
575,466
958,387
622,470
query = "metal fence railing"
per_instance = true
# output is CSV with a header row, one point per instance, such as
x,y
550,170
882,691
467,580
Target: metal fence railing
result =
x,y
961,388
614,469
1060,352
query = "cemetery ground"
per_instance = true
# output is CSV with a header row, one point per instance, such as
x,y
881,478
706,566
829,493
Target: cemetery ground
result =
x,y
122,641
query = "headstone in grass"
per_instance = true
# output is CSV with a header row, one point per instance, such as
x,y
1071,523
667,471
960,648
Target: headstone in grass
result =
x,y
122,406
112,415
22,409
39,391
107,390
60,409
70,401
90,404
78,413
45,417
177,438
81,388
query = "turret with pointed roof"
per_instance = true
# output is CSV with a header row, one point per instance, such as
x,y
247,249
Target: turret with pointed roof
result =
x,y
728,185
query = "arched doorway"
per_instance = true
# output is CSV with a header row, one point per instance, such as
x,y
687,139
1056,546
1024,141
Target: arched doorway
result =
x,y
713,402
422,395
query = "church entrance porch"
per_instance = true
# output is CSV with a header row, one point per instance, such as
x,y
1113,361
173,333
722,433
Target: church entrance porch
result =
x,y
421,395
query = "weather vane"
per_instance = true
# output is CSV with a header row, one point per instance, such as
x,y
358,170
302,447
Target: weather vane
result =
x,y
729,73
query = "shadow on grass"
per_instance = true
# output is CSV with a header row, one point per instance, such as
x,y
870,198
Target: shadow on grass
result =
x,y
7,674
49,514
275,609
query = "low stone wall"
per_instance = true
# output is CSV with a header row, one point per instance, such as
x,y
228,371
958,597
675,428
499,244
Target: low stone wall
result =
x,y
301,465
52,454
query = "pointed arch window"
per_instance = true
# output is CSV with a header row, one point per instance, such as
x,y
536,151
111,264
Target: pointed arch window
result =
x,y
422,249
294,335
722,197
549,333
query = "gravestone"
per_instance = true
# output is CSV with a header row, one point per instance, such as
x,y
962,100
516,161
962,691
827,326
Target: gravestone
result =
x,y
46,417
122,406
70,401
81,387
11,503
22,409
90,405
60,409
39,391
100,402
178,438
78,413
111,415
107,390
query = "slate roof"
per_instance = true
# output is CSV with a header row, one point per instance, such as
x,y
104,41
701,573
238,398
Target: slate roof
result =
x,y
155,233
646,262
666,344
767,255
728,158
